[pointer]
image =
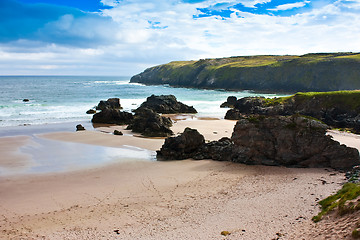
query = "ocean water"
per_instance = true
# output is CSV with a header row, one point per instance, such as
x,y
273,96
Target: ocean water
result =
x,y
61,99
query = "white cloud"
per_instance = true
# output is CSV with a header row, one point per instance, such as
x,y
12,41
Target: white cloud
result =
x,y
132,44
289,6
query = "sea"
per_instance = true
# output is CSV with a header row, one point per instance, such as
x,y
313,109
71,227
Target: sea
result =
x,y
65,99
59,103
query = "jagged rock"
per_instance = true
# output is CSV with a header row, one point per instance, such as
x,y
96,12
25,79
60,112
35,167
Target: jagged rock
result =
x,y
150,124
291,141
233,114
336,109
91,111
230,102
166,104
80,127
112,116
111,103
220,150
294,141
184,146
117,132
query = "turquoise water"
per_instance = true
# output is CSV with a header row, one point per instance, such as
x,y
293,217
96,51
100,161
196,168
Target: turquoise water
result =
x,y
60,99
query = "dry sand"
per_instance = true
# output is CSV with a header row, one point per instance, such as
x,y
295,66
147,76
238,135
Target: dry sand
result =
x,y
160,200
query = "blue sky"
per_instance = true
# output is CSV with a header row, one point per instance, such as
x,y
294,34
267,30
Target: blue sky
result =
x,y
123,37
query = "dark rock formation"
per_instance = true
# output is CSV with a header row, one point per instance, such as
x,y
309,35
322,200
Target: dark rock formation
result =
x,y
91,111
186,145
111,103
337,109
80,127
292,141
310,72
221,150
166,104
230,102
150,124
26,100
289,141
112,116
233,114
117,132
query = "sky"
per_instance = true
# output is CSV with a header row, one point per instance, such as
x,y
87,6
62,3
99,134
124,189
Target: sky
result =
x,y
124,37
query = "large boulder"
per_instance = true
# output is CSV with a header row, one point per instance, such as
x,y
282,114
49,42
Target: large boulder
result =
x,y
111,103
294,141
291,141
112,116
184,146
150,124
166,104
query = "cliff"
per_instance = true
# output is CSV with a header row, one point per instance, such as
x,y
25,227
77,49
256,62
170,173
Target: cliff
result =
x,y
310,72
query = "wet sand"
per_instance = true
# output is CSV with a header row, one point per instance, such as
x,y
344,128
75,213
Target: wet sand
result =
x,y
147,199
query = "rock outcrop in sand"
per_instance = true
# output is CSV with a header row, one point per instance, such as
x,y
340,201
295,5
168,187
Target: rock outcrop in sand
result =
x,y
150,124
292,141
186,145
340,109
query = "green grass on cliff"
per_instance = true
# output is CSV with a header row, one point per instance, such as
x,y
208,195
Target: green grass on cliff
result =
x,y
340,201
348,99
264,60
286,73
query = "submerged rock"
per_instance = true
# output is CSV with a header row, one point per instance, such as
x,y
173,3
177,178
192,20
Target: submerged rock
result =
x,y
150,124
91,111
166,104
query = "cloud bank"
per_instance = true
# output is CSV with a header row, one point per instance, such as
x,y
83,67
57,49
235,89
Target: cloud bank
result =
x,y
127,36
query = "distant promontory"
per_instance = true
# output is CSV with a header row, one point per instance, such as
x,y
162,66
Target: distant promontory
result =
x,y
288,73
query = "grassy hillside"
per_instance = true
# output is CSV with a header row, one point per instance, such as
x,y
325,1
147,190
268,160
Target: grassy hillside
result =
x,y
343,99
310,72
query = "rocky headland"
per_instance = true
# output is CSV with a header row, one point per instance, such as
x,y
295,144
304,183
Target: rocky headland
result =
x,y
309,72
339,109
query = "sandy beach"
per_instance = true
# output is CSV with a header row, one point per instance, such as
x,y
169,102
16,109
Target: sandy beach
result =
x,y
146,199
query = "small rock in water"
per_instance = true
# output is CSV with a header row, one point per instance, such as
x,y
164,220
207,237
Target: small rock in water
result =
x,y
80,127
91,111
26,100
116,132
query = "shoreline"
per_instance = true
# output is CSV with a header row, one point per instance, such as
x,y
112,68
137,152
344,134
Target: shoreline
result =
x,y
145,199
